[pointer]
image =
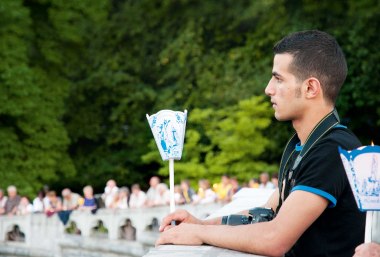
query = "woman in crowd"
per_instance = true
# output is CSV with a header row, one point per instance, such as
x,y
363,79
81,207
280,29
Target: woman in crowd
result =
x,y
138,197
24,207
205,193
89,201
121,199
54,204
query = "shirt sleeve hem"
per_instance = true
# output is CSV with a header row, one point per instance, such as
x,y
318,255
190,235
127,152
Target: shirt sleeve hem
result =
x,y
319,192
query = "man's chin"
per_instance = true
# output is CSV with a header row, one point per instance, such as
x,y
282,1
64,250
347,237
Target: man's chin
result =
x,y
280,118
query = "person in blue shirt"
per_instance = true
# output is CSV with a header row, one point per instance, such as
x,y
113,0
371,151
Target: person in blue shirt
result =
x,y
89,201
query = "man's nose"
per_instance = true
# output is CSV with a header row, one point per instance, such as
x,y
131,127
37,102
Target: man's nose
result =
x,y
269,89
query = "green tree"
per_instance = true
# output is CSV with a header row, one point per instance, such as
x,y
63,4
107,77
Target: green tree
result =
x,y
32,135
354,25
77,78
232,143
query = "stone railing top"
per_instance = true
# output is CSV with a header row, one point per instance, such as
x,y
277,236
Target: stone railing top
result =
x,y
194,251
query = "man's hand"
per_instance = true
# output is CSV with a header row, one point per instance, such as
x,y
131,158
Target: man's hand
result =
x,y
183,234
273,238
367,250
180,216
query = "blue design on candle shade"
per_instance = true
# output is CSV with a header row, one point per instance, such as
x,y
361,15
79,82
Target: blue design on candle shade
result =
x,y
361,150
362,168
168,128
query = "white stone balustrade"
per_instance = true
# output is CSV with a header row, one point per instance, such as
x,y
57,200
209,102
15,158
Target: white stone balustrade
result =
x,y
47,234
46,237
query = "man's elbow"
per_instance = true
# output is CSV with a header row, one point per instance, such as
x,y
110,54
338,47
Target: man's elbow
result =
x,y
277,251
271,250
276,245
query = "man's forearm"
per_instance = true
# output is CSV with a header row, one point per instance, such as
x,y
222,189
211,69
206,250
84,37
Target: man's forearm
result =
x,y
218,220
215,221
245,238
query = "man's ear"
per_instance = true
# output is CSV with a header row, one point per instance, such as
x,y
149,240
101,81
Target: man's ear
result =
x,y
313,88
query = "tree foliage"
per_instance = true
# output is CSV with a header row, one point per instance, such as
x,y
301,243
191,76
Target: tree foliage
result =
x,y
77,77
32,135
223,141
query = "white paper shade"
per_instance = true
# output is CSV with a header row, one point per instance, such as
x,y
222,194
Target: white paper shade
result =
x,y
362,166
168,128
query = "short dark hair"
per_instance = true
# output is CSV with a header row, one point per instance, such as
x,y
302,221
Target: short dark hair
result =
x,y
318,54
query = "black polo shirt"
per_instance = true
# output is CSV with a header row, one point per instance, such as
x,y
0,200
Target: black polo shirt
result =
x,y
340,228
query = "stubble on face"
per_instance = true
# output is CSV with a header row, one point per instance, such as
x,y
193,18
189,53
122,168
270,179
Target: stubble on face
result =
x,y
297,92
286,88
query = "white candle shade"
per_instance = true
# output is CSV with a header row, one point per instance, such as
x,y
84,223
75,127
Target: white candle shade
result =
x,y
362,166
168,128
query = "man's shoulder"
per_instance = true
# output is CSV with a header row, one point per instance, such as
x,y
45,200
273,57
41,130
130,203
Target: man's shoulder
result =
x,y
327,147
342,137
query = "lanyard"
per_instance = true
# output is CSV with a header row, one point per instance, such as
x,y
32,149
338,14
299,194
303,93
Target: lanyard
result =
x,y
323,127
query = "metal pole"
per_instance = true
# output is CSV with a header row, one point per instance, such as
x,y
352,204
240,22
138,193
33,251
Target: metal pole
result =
x,y
368,227
171,185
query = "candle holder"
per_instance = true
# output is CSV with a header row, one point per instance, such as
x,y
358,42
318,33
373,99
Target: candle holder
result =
x,y
363,171
168,128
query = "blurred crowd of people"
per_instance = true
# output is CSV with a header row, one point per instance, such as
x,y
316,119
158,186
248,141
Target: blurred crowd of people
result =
x,y
114,197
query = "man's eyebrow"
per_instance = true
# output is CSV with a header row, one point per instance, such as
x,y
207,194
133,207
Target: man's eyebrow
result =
x,y
276,74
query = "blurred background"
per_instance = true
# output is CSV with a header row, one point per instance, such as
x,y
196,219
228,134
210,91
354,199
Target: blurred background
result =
x,y
78,77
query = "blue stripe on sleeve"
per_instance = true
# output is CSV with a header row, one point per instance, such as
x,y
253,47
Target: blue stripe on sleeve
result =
x,y
317,192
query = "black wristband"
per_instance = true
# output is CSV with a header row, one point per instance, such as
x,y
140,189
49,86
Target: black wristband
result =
x,y
224,220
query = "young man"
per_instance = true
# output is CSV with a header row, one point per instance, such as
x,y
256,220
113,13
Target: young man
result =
x,y
316,214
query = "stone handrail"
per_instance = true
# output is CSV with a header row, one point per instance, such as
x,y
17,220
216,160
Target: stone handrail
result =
x,y
47,234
